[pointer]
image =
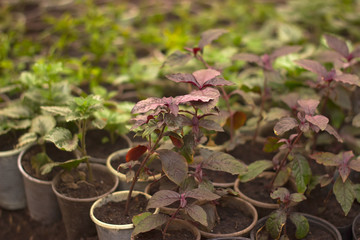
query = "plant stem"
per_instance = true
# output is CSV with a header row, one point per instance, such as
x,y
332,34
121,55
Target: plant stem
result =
x,y
262,104
168,222
285,157
152,150
82,129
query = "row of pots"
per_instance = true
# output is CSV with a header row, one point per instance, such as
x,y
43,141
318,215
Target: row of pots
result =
x,y
48,210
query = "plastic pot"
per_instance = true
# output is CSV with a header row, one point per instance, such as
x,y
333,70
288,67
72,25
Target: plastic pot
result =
x,y
123,184
356,225
40,198
107,231
313,221
237,204
12,193
75,211
178,224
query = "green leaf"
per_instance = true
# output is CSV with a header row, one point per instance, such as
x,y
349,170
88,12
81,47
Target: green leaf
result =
x,y
15,111
284,125
151,222
301,171
136,219
42,124
275,223
344,193
62,138
174,165
326,158
254,169
98,123
26,139
356,120
272,144
163,198
301,223
297,197
68,165
220,161
282,177
281,193
197,213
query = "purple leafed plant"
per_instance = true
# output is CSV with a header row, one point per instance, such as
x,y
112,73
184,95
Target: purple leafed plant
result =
x,y
343,188
266,63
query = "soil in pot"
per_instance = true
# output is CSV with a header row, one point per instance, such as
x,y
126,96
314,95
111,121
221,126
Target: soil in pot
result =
x,y
332,211
171,235
99,145
112,212
53,152
315,232
72,184
248,153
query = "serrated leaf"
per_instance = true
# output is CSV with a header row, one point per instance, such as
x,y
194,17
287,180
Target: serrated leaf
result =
x,y
68,165
163,198
135,153
284,125
333,132
15,111
301,171
312,66
136,219
62,138
318,120
174,165
210,35
275,223
210,125
301,224
286,50
202,194
254,169
344,193
326,158
197,213
150,223
348,78
220,161
308,105
26,139
42,124
337,44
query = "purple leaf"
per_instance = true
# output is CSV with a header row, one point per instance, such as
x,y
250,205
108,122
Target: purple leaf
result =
x,y
204,75
291,99
333,132
210,125
197,213
284,125
174,165
308,105
355,164
163,198
344,169
284,51
223,162
248,57
312,66
177,58
318,120
196,96
210,35
202,194
146,105
356,53
183,77
338,45
348,78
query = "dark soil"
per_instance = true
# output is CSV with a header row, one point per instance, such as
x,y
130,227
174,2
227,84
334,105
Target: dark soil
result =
x,y
72,184
232,219
113,212
98,143
332,211
356,227
55,155
171,235
315,232
257,189
249,153
8,141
